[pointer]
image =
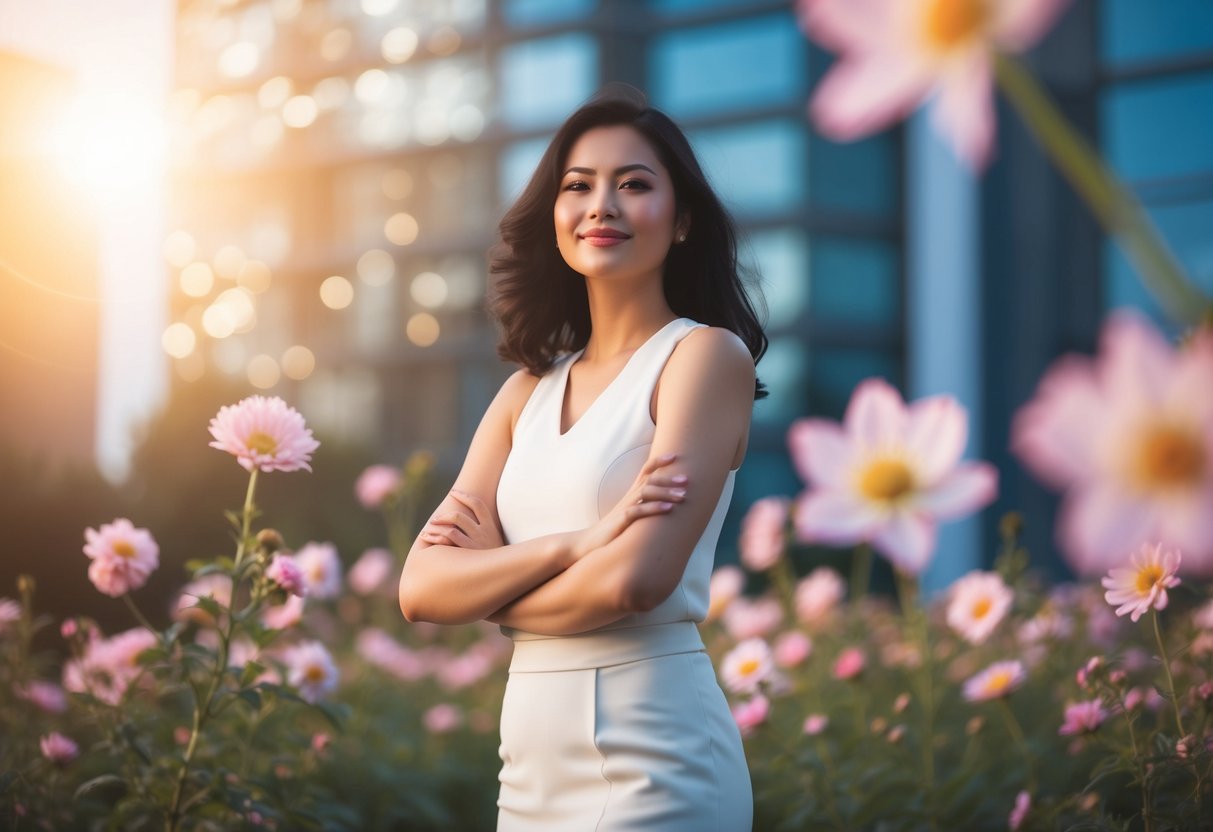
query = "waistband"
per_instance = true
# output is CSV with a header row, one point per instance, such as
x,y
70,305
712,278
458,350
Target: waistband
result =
x,y
603,648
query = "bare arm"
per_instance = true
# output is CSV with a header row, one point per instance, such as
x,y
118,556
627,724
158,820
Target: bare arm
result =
x,y
703,416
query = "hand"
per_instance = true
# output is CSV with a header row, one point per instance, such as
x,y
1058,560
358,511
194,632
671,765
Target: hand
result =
x,y
470,526
652,493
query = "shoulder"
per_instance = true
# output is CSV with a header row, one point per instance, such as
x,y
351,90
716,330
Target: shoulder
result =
x,y
513,395
714,351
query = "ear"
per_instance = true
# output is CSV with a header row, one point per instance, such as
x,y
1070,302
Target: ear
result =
x,y
682,227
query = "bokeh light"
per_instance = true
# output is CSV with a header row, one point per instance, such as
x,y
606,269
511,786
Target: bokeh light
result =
x,y
422,329
179,340
378,8
197,279
298,362
241,308
397,183
274,92
336,44
228,261
300,111
376,267
179,248
240,59
111,143
263,371
401,229
429,290
255,276
336,292
399,45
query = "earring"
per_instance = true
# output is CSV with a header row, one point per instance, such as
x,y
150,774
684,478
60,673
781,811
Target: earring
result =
x,y
682,238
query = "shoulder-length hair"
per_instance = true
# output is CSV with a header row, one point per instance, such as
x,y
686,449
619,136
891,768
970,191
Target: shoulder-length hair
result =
x,y
541,303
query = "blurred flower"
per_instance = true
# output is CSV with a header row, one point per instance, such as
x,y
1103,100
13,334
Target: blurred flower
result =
x,y
442,718
979,601
264,433
369,572
310,668
321,569
45,695
285,572
10,611
1186,746
376,484
1083,718
123,556
1084,674
1023,804
996,681
461,671
762,538
749,715
818,595
1134,698
1128,437
217,587
381,650
69,628
897,54
814,724
747,665
1202,617
1143,586
901,703
896,734
284,616
751,618
58,749
726,584
792,648
108,666
849,664
887,474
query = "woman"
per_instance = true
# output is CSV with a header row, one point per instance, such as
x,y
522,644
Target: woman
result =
x,y
585,518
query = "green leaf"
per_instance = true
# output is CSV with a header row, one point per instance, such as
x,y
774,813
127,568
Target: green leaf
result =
x,y
105,781
334,713
251,696
252,669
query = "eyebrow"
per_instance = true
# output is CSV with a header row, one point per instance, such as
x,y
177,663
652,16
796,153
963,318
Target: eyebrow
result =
x,y
618,171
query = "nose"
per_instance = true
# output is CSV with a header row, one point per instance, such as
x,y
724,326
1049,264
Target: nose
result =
x,y
603,204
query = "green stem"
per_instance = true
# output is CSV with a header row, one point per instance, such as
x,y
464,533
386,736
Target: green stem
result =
x,y
861,571
1146,816
1016,732
246,520
784,581
1113,205
139,616
907,593
1166,666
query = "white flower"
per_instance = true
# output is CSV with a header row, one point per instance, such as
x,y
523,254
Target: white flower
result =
x,y
979,601
747,665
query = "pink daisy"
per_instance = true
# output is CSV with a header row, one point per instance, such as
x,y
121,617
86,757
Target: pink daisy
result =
x,y
370,572
59,749
996,681
311,669
1142,586
1083,718
749,715
818,595
747,666
123,556
285,573
321,569
264,433
376,484
979,601
762,538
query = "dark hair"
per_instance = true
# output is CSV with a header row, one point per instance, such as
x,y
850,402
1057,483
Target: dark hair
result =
x,y
541,303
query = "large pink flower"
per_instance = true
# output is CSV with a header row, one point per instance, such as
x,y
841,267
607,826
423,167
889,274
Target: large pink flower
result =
x,y
264,433
1128,436
123,556
887,474
897,54
1143,586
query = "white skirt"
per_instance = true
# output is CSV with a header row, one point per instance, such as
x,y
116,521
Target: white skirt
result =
x,y
644,745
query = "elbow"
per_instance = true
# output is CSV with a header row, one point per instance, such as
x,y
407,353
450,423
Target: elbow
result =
x,y
409,599
639,595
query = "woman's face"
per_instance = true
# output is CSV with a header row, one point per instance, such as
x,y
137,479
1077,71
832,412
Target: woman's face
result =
x,y
615,210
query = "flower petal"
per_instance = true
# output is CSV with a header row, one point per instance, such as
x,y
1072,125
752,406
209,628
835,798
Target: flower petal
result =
x,y
1187,524
1054,435
1020,23
1099,527
876,415
1136,362
963,109
821,452
936,433
845,25
908,540
864,94
836,517
966,489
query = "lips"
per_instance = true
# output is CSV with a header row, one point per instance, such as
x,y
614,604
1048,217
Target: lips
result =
x,y
605,237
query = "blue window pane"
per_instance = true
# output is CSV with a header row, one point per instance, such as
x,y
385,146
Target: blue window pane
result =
x,y
855,282
1160,128
1186,230
858,177
543,81
784,370
750,63
1136,30
683,6
836,372
540,12
780,259
518,162
755,168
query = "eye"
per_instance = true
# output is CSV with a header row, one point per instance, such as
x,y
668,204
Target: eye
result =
x,y
576,185
636,185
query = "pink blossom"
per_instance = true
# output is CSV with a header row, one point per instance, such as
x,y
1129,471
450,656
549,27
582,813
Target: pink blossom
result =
x,y
310,668
369,572
726,584
216,587
264,433
58,749
383,651
749,715
814,724
1083,718
108,666
321,568
1143,586
285,572
792,648
45,695
69,628
849,664
376,484
1134,699
463,670
1094,664
995,682
818,594
896,55
1023,804
321,742
887,474
10,612
979,601
442,718
1128,437
1202,617
747,666
752,618
762,537
123,556
285,615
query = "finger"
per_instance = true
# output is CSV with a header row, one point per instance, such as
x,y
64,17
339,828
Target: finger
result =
x,y
476,505
453,518
668,480
652,493
656,462
635,512
437,538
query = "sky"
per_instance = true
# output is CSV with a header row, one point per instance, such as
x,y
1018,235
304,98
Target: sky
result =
x,y
122,54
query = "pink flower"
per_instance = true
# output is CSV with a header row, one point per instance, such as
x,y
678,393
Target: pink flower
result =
x,y
1128,437
310,668
369,572
123,557
285,615
762,539
376,484
1023,804
749,715
747,665
321,569
979,601
746,618
898,54
814,724
284,572
216,587
442,718
107,667
1143,586
1202,617
58,749
792,648
10,612
1083,718
887,474
461,671
45,695
996,681
849,664
264,433
818,595
726,584
383,651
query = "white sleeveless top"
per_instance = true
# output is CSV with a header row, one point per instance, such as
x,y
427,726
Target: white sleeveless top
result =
x,y
555,482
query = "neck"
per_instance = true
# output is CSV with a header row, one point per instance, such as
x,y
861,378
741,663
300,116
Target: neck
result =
x,y
623,314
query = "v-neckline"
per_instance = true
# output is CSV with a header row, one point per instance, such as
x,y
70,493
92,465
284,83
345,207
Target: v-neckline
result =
x,y
568,368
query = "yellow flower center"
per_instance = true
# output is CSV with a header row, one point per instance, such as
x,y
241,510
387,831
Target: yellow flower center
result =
x,y
949,23
315,673
999,682
1169,457
261,443
886,480
748,666
981,608
124,548
1147,577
